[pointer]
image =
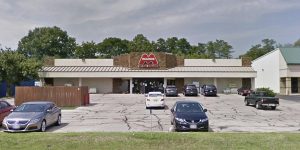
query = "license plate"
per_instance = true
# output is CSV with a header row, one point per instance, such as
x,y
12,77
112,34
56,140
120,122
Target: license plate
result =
x,y
16,126
193,126
272,105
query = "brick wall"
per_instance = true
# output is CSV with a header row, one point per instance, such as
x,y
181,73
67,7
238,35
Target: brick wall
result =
x,y
164,60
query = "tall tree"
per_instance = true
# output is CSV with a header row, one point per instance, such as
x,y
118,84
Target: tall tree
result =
x,y
182,46
260,49
223,49
160,45
15,67
47,41
171,44
140,44
86,50
113,47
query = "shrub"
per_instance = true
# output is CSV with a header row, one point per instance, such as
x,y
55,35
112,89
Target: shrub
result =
x,y
268,91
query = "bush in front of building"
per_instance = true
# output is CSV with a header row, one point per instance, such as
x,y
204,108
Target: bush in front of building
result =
x,y
268,91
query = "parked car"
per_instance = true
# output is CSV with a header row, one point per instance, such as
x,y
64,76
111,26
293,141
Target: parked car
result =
x,y
155,99
244,91
5,109
209,90
190,89
261,100
32,116
171,90
189,116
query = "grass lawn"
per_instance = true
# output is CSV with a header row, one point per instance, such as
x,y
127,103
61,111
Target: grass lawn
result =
x,y
145,141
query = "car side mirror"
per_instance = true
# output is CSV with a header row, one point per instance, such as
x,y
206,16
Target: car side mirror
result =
x,y
172,109
146,95
49,110
12,110
205,110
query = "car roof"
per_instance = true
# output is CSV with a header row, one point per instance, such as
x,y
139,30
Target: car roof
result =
x,y
154,93
38,102
186,101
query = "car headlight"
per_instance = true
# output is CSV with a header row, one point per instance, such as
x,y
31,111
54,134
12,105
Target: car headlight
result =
x,y
33,121
180,119
204,120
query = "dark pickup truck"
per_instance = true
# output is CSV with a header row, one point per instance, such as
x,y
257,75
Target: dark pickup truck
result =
x,y
261,100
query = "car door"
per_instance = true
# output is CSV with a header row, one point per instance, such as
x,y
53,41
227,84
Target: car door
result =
x,y
48,115
52,113
56,112
251,98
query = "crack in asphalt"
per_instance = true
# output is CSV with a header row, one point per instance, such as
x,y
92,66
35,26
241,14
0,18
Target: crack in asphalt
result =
x,y
125,120
158,122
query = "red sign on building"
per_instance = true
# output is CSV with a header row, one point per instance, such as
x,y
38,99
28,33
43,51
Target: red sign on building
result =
x,y
148,61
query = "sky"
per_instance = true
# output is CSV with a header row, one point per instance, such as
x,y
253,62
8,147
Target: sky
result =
x,y
242,23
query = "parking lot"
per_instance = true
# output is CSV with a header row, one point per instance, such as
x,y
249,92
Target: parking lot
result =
x,y
227,113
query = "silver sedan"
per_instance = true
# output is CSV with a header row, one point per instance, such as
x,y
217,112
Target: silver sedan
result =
x,y
32,116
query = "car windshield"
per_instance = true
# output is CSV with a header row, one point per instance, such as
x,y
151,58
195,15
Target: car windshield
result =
x,y
31,108
171,87
191,87
210,86
189,107
155,95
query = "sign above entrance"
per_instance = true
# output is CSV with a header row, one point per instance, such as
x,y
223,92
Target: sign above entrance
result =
x,y
148,61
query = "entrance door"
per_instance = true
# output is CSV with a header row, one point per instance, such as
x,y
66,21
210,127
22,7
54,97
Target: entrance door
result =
x,y
294,85
146,85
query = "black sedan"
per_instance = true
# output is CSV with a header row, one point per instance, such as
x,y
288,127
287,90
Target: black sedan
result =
x,y
171,90
189,116
209,90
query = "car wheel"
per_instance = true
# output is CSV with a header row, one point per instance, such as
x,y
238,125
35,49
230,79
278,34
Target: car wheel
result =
x,y
257,106
273,107
58,122
246,103
43,126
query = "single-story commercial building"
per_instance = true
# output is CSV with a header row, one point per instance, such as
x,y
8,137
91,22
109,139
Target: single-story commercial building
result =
x,y
141,72
279,70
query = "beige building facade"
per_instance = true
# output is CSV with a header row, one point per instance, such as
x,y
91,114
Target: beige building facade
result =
x,y
141,72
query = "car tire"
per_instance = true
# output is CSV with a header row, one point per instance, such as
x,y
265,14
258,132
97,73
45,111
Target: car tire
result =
x,y
273,107
257,106
43,126
246,103
58,122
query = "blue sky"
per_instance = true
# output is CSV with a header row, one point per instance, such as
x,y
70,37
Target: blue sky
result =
x,y
242,23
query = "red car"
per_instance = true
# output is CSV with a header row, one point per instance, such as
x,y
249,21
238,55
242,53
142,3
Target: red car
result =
x,y
5,108
244,91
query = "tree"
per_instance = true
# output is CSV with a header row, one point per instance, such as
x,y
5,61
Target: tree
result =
x,y
260,49
86,50
15,67
171,44
182,46
47,41
113,47
297,43
160,45
140,44
223,49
